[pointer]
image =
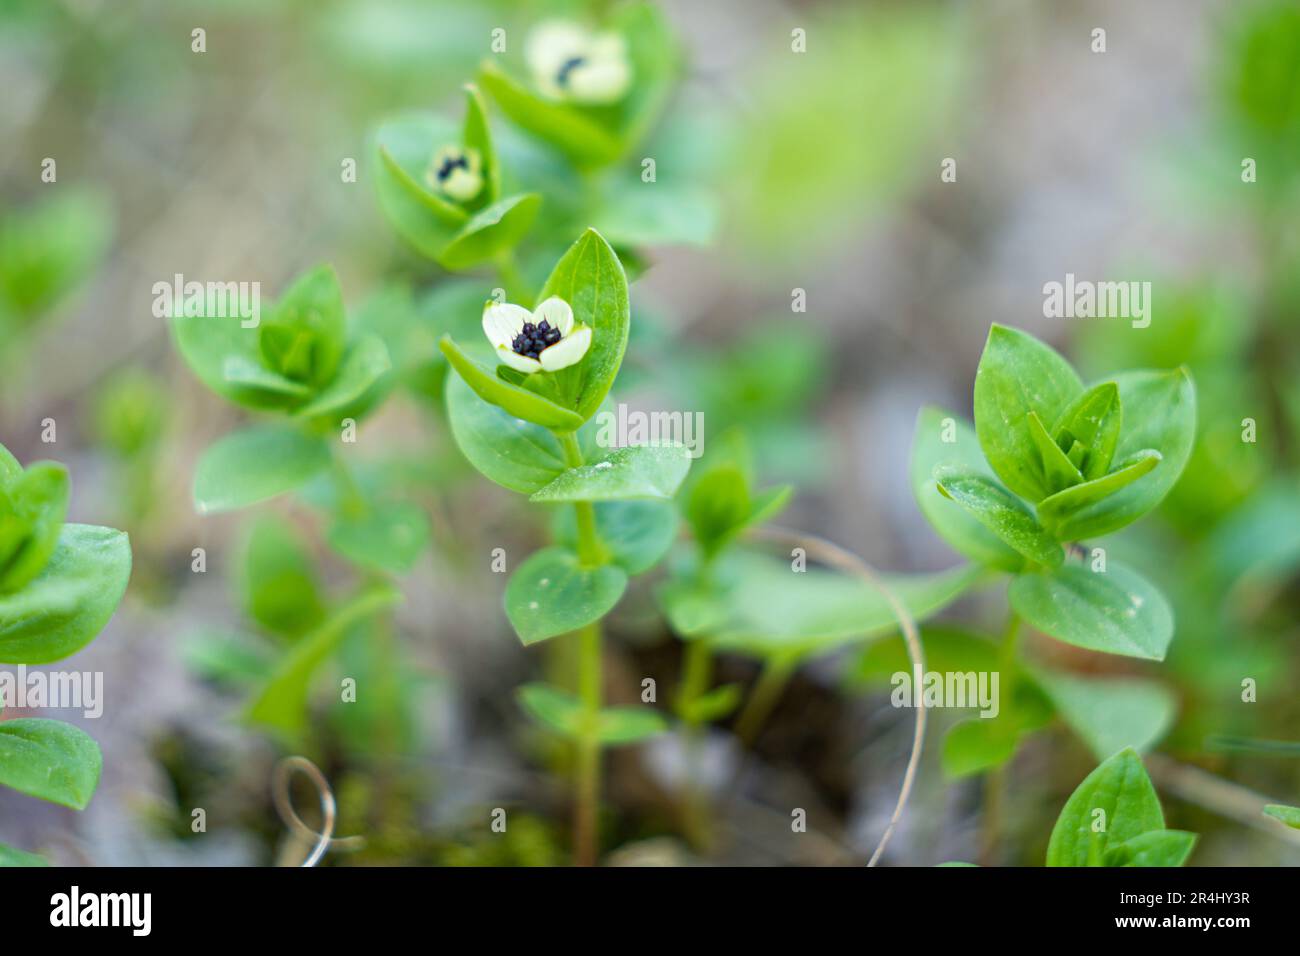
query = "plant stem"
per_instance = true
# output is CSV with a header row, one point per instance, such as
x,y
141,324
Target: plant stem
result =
x,y
591,553
697,672
589,680
771,682
995,781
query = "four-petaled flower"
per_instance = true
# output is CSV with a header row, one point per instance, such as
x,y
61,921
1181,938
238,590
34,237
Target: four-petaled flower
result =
x,y
546,339
570,62
456,172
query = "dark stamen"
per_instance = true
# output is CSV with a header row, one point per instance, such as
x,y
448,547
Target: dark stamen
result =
x,y
571,64
450,163
534,339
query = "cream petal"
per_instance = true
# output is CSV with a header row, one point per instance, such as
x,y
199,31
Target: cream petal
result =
x,y
520,363
603,82
557,312
503,321
553,43
462,186
568,351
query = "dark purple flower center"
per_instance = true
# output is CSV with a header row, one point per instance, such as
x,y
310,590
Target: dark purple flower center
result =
x,y
450,163
569,65
534,338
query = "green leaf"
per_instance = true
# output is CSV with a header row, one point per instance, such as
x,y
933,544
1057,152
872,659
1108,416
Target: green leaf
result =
x,y
1058,470
1057,511
1116,611
1017,375
552,593
225,357
519,402
491,230
590,278
1111,713
255,464
405,146
50,760
717,505
62,609
1122,791
551,707
573,132
282,703
513,453
278,583
1159,414
364,364
1156,848
976,745
760,606
637,471
304,336
1001,512
637,533
11,857
564,713
629,725
965,533
32,509
477,135
388,536
712,705
1094,420
1288,815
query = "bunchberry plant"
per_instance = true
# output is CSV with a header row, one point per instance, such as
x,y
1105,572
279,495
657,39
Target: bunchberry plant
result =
x,y
1050,466
59,585
525,421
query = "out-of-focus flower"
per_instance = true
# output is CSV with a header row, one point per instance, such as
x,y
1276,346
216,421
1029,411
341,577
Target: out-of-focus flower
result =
x,y
570,62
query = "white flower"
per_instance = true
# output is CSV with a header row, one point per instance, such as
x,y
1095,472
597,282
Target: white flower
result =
x,y
545,339
570,62
456,173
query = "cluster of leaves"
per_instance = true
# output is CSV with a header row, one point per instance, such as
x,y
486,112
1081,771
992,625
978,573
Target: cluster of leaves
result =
x,y
1048,463
59,585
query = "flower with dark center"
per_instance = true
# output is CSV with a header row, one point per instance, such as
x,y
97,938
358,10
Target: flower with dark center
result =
x,y
546,339
456,172
570,62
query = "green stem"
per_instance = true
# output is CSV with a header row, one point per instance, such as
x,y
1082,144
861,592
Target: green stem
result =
x,y
586,849
696,675
995,782
591,553
762,699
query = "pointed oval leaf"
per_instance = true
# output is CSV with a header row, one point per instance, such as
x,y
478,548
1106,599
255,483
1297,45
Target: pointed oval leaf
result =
x,y
555,709
1288,815
637,471
1116,611
1156,848
1093,420
11,857
1057,511
1121,790
62,609
965,533
1017,375
1159,414
1059,470
513,453
255,464
590,278
490,231
519,402
365,363
553,593
1001,512
477,135
50,760
1111,713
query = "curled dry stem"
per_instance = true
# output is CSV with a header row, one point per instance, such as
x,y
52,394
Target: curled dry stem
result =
x,y
832,555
